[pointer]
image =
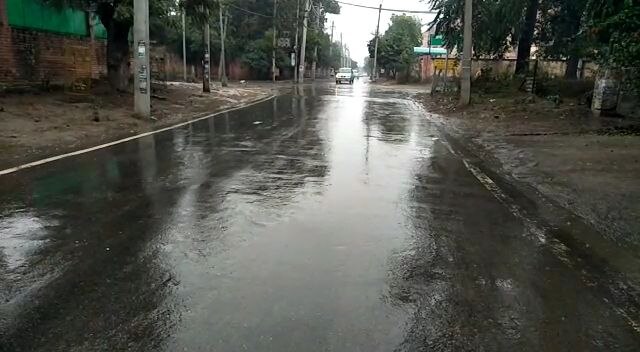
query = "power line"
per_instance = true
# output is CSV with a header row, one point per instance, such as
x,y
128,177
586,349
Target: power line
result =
x,y
241,9
249,11
384,9
340,2
280,19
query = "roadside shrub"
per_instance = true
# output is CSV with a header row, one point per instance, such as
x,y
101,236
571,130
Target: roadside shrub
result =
x,y
546,86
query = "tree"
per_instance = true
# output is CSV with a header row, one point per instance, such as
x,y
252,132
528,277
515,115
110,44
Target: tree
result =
x,y
560,34
257,55
330,6
336,56
395,47
521,23
368,64
614,26
491,37
117,17
248,36
525,39
607,30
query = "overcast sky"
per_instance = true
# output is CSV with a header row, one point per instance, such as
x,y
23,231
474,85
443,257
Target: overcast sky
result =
x,y
358,25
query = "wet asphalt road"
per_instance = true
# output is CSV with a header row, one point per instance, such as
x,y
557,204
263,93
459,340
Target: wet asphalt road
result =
x,y
334,220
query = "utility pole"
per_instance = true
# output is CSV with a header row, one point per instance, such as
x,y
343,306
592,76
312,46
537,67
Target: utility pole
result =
x,y
315,50
142,85
275,34
341,52
303,47
374,76
446,71
346,56
465,81
223,61
206,62
331,43
295,47
184,45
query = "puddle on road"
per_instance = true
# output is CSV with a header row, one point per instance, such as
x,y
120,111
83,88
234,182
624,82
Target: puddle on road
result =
x,y
335,223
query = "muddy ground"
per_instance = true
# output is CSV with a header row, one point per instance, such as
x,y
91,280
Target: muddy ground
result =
x,y
35,125
560,153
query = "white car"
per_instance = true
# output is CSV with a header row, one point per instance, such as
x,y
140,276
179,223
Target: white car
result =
x,y
345,75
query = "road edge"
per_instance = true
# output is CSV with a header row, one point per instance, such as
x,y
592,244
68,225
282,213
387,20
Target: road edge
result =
x,y
195,118
618,291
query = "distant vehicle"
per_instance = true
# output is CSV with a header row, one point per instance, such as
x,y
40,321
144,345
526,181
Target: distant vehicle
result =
x,y
345,75
356,74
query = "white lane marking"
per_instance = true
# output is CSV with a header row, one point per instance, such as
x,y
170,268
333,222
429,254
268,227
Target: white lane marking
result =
x,y
101,146
558,248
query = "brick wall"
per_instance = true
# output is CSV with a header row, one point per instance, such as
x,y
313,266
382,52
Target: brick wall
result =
x,y
238,71
28,57
173,67
6,56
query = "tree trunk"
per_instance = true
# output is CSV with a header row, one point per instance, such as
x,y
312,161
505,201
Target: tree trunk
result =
x,y
526,36
571,72
574,21
117,47
118,56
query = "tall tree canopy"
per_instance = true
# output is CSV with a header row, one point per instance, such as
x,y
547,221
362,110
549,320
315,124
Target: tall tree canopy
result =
x,y
498,26
249,35
395,46
567,29
559,32
614,27
492,37
250,31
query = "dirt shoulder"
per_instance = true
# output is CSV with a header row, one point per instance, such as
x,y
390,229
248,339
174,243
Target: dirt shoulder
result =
x,y
38,125
589,166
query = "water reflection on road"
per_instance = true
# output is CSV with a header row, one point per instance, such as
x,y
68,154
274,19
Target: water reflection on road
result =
x,y
333,219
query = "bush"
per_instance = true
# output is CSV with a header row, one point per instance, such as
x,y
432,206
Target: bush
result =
x,y
546,86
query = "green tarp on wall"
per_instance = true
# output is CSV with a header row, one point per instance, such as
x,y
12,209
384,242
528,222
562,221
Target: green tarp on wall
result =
x,y
35,14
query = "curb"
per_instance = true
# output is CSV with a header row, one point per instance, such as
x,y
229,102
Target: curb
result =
x,y
195,118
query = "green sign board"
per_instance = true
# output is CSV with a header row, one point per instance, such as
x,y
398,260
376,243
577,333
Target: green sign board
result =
x,y
432,51
437,40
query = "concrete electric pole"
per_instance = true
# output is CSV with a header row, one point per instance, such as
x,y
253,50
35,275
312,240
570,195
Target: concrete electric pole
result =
x,y
206,61
315,50
465,81
275,34
346,56
374,74
303,46
295,47
341,52
142,71
223,61
184,45
331,42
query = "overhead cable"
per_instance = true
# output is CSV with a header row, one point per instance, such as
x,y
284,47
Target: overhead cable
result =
x,y
385,9
249,11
